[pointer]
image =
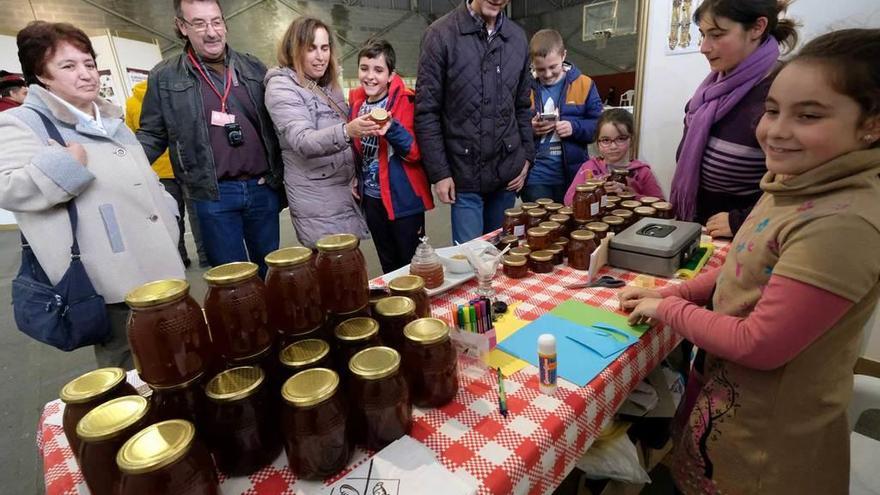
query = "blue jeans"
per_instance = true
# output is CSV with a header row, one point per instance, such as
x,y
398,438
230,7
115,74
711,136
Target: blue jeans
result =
x,y
530,193
242,225
475,214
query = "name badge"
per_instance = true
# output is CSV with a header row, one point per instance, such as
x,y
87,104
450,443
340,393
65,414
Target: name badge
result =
x,y
220,118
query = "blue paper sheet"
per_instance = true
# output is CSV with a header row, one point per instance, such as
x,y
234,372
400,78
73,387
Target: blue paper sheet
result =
x,y
576,362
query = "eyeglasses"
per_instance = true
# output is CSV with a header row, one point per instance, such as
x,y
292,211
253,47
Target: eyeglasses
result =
x,y
201,26
619,140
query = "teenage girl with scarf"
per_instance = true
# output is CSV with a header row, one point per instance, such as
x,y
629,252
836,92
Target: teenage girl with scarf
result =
x,y
720,163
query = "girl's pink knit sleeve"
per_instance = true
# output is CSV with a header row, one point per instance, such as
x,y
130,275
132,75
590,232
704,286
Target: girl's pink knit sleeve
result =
x,y
697,290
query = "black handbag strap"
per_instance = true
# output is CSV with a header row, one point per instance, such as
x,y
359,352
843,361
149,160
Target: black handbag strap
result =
x,y
55,134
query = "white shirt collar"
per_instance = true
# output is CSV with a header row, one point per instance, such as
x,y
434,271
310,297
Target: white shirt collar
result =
x,y
85,119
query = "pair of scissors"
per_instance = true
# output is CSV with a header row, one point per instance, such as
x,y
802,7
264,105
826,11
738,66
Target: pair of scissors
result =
x,y
603,281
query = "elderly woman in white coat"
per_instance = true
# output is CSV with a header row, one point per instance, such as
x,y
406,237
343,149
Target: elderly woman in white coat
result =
x,y
127,230
311,118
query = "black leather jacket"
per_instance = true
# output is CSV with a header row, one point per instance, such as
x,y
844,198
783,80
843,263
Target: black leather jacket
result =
x,y
173,117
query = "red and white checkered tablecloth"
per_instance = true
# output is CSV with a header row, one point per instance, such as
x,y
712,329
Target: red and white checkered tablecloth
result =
x,y
529,452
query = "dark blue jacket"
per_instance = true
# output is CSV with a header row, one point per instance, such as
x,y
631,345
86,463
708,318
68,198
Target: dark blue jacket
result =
x,y
582,107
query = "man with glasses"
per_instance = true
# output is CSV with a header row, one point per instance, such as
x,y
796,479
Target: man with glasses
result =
x,y
206,107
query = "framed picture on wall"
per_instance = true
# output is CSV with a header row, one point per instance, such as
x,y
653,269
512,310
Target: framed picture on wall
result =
x,y
683,35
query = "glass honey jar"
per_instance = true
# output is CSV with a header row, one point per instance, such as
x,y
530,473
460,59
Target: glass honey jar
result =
x,y
553,209
664,210
393,313
541,261
514,222
515,266
166,458
184,401
556,250
315,424
615,224
580,248
600,229
86,392
630,204
510,241
645,212
553,230
613,202
620,175
601,196
649,200
529,206
564,222
382,409
413,287
585,203
426,264
538,238
542,202
319,332
240,421
563,241
627,215
626,195
293,294
334,319
102,432
304,354
430,362
237,312
168,335
520,251
535,217
342,274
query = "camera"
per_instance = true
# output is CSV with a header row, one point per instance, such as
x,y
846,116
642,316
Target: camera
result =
x,y
234,134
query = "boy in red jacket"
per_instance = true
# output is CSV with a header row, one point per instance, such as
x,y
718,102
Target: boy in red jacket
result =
x,y
392,185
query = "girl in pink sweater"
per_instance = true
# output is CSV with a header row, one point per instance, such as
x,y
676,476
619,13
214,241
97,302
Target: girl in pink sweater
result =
x,y
614,134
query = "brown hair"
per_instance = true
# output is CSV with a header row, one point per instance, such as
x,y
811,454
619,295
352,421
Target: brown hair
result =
x,y
545,42
296,42
747,13
178,12
850,58
617,117
37,43
374,47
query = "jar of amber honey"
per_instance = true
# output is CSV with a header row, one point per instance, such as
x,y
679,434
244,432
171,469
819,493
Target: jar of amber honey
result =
x,y
584,198
664,210
319,332
304,354
237,313
166,458
600,229
627,215
241,421
353,336
554,230
529,206
86,392
542,202
382,409
541,261
580,247
293,294
615,224
626,195
649,200
515,266
553,209
413,287
342,274
334,319
564,222
613,202
601,196
184,401
102,432
520,251
538,238
514,222
556,250
168,335
510,241
393,313
315,425
630,204
645,212
430,362
535,217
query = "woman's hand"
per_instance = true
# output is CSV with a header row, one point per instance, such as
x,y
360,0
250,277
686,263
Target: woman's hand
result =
x,y
362,126
630,297
645,312
76,150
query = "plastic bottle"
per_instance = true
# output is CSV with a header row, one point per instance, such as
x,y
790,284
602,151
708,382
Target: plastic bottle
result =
x,y
547,363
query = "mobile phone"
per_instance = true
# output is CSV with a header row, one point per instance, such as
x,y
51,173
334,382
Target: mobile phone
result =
x,y
548,117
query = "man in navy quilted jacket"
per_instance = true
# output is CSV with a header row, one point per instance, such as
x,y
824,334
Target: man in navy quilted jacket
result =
x,y
473,116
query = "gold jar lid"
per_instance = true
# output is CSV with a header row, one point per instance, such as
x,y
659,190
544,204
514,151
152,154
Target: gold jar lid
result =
x,y
566,210
551,225
156,293
513,212
289,256
537,232
612,220
379,115
520,251
514,260
542,255
407,283
235,384
554,248
562,241
595,182
537,212
337,242
310,387
156,446
597,227
625,195
526,246
304,352
354,329
624,214
560,218
553,207
528,206
662,206
92,384
612,198
351,314
583,235
180,386
646,211
111,418
230,273
510,239
649,200
543,201
630,204
395,306
426,331
583,187
374,363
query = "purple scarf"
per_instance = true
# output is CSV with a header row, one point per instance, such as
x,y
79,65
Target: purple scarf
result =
x,y
715,97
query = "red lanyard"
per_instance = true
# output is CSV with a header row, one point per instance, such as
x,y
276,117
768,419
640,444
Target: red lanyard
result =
x,y
225,94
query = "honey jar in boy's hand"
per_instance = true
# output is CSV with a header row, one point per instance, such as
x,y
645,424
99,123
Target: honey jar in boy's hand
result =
x,y
380,116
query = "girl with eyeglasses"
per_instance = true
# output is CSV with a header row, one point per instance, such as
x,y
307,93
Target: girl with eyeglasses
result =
x,y
615,131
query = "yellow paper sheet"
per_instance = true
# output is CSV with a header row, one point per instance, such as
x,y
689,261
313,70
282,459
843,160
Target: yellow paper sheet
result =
x,y
504,327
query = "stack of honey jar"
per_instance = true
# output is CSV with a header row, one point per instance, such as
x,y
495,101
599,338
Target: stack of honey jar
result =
x,y
304,353
543,234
